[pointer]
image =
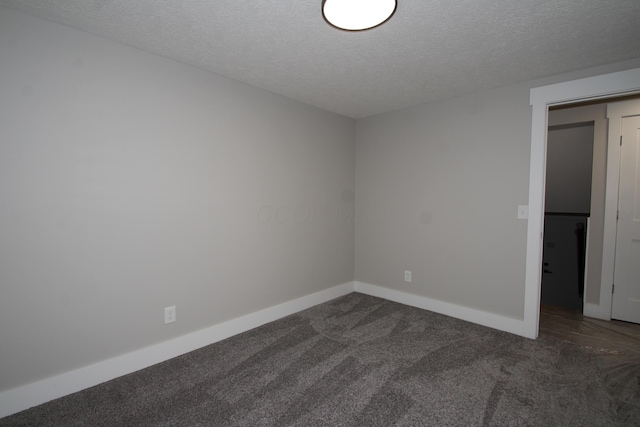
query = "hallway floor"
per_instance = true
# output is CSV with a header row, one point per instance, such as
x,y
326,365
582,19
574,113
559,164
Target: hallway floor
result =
x,y
613,337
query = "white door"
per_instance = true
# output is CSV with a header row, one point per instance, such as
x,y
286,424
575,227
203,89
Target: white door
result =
x,y
626,292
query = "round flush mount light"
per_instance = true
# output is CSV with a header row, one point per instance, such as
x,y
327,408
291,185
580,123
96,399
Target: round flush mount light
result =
x,y
357,15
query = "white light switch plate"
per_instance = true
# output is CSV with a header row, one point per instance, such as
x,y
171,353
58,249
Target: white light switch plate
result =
x,y
523,212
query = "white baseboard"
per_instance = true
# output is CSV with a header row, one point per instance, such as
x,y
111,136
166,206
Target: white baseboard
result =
x,y
29,395
596,311
495,321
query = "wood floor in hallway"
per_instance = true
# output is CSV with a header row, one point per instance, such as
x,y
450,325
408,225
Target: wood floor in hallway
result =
x,y
602,336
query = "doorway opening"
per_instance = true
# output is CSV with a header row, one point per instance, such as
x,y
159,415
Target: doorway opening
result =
x,y
602,87
570,162
575,199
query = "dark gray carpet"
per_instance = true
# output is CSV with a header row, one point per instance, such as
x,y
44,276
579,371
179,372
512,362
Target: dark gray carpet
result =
x,y
364,361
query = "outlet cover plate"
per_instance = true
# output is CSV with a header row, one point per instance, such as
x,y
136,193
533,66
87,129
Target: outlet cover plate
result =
x,y
407,276
170,314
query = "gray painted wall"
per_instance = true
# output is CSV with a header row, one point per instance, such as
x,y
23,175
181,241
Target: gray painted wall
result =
x,y
569,163
129,182
446,179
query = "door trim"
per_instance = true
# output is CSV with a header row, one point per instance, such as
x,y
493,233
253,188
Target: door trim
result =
x,y
598,87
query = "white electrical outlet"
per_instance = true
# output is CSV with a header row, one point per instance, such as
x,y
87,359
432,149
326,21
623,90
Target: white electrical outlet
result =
x,y
170,314
407,276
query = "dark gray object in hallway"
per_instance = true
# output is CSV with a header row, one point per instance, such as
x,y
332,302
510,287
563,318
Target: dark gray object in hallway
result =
x,y
360,360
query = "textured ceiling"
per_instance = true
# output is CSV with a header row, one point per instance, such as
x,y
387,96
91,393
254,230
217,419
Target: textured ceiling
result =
x,y
429,50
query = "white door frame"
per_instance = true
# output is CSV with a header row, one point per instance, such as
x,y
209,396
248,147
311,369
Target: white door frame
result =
x,y
603,86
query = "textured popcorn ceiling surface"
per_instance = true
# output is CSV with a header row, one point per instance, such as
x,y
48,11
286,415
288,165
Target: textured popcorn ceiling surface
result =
x,y
429,50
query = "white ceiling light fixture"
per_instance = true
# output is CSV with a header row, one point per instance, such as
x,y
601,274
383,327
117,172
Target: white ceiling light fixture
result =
x,y
357,15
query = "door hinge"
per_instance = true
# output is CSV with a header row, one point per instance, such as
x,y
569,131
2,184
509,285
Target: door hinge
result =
x,y
613,288
621,140
617,215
